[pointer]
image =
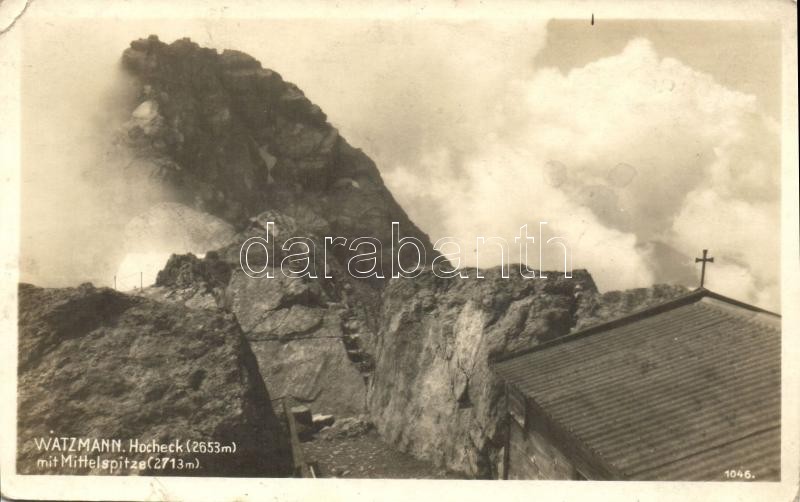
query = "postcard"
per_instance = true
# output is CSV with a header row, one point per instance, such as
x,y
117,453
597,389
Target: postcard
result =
x,y
326,251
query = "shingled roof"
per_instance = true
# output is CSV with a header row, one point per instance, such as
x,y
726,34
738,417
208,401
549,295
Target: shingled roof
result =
x,y
684,390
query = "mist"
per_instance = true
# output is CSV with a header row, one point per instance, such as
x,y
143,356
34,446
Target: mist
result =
x,y
75,193
636,158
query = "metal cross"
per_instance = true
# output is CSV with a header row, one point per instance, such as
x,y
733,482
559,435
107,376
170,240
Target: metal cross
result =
x,y
704,260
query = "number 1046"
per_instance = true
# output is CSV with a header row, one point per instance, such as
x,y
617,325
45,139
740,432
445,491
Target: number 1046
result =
x,y
739,474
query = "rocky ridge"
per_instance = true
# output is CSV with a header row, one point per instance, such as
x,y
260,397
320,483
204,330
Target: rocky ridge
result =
x,y
95,363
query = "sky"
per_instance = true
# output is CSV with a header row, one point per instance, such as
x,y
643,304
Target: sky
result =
x,y
639,142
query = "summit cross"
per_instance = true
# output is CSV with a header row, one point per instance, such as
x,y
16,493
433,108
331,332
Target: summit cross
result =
x,y
705,259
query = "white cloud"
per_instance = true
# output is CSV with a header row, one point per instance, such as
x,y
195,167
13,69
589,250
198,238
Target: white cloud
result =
x,y
746,236
639,160
625,151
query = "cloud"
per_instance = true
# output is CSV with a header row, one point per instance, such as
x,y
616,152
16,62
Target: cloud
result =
x,y
78,187
640,161
624,155
398,89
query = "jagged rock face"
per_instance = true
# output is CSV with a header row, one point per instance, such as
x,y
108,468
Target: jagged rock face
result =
x,y
301,330
189,271
234,139
97,363
433,393
612,304
295,328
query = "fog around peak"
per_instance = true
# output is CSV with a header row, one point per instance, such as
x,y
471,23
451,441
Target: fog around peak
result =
x,y
638,158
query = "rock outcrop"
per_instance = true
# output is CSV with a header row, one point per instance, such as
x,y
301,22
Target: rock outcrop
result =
x,y
301,329
95,363
433,393
296,335
601,307
234,139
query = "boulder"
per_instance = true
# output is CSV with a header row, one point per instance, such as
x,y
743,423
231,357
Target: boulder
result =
x,y
96,363
297,338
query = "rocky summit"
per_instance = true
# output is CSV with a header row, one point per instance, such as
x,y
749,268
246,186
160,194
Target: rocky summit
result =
x,y
234,139
208,347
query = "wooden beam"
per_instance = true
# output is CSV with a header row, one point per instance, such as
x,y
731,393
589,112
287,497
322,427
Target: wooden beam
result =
x,y
301,469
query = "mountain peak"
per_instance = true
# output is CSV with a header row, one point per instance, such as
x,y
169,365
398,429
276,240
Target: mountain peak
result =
x,y
234,139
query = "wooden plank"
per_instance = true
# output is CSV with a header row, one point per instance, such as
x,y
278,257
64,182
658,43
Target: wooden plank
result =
x,y
300,468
